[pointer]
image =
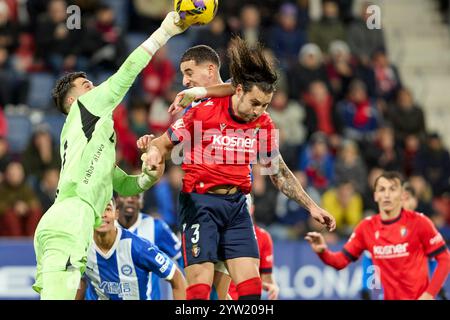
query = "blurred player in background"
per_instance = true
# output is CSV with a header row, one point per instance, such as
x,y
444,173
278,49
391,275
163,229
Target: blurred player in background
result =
x,y
410,203
121,265
399,241
214,218
88,171
154,230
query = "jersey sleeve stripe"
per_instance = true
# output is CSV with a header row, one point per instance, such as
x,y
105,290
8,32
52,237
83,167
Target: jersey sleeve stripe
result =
x,y
349,255
173,137
437,251
172,272
265,270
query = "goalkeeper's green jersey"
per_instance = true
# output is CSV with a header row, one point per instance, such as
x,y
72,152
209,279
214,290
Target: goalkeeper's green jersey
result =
x,y
88,139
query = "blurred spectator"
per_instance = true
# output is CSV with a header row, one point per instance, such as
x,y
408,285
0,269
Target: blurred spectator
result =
x,y
286,38
303,13
424,194
386,75
309,68
358,114
109,51
14,86
41,153
267,9
56,44
138,118
159,119
328,28
291,218
345,204
364,41
215,36
265,196
147,14
158,75
19,209
8,30
321,112
318,163
126,151
251,29
46,189
5,158
35,9
410,151
340,69
406,117
346,10
370,206
282,81
383,152
433,163
288,115
349,166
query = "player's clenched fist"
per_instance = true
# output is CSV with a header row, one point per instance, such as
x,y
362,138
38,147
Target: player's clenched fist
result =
x,y
317,241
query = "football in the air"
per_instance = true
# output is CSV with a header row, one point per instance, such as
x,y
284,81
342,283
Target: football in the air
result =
x,y
196,12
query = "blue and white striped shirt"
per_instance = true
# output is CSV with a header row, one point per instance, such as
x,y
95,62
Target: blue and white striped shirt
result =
x,y
159,233
124,273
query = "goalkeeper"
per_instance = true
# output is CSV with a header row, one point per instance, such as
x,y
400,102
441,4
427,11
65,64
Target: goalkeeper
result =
x,y
88,171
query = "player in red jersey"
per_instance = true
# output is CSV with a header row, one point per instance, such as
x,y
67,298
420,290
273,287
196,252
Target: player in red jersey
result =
x,y
221,137
399,240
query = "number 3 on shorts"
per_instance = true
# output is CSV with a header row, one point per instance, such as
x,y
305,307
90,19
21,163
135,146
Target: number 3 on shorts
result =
x,y
196,234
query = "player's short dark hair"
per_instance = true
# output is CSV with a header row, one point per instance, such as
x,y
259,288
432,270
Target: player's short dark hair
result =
x,y
249,67
389,175
201,54
63,86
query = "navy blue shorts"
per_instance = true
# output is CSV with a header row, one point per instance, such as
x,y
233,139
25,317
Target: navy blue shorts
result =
x,y
215,227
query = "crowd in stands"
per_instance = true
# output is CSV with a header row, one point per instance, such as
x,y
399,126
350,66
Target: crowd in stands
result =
x,y
341,107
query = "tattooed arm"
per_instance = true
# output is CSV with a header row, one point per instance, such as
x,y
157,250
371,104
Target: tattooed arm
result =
x,y
286,182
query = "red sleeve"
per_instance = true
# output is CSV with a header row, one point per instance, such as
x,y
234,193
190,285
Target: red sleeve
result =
x,y
337,260
355,244
266,253
432,241
182,129
440,274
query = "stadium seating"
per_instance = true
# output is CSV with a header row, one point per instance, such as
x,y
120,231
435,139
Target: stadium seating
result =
x,y
41,85
19,132
55,123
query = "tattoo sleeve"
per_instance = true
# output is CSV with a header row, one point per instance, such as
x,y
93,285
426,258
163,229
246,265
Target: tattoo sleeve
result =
x,y
286,182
